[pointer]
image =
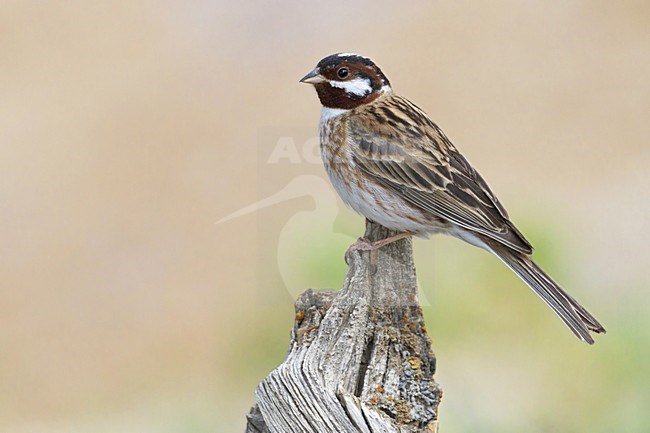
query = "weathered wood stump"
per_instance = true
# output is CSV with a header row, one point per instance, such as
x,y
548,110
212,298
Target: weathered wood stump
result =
x,y
360,359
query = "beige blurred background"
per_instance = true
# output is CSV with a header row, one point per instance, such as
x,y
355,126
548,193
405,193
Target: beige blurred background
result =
x,y
129,129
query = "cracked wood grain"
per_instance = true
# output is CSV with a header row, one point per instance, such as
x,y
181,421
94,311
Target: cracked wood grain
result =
x,y
360,359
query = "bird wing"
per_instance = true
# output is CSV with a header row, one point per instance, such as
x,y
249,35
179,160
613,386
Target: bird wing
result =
x,y
397,145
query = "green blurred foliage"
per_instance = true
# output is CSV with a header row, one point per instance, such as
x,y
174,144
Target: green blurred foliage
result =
x,y
505,362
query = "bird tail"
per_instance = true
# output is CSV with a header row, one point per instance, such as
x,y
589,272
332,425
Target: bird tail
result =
x,y
574,315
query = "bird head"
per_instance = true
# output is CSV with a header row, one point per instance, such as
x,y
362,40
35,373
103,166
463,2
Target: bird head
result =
x,y
347,80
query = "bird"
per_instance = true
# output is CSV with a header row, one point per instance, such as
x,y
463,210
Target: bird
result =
x,y
392,164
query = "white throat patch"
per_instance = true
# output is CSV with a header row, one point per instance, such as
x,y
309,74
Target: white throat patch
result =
x,y
327,113
359,86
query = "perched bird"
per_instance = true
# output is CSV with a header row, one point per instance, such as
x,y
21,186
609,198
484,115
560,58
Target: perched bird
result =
x,y
389,162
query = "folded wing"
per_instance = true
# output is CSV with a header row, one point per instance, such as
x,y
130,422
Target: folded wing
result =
x,y
401,148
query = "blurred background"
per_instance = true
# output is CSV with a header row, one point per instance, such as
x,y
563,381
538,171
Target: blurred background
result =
x,y
133,300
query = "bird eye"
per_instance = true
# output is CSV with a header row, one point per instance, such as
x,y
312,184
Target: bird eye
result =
x,y
342,73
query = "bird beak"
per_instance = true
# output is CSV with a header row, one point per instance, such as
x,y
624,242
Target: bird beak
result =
x,y
314,77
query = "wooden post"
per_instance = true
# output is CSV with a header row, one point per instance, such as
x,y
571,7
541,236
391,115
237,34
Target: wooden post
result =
x,y
360,359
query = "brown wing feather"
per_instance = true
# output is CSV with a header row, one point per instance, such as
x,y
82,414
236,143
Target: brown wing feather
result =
x,y
400,147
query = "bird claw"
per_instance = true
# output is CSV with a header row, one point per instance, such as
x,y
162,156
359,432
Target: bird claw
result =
x,y
362,244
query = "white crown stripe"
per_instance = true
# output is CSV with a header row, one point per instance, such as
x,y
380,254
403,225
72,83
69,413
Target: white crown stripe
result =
x,y
351,55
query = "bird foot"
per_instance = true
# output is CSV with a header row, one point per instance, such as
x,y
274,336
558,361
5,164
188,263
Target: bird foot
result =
x,y
363,244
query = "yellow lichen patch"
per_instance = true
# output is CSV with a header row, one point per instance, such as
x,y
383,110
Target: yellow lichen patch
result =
x,y
415,363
